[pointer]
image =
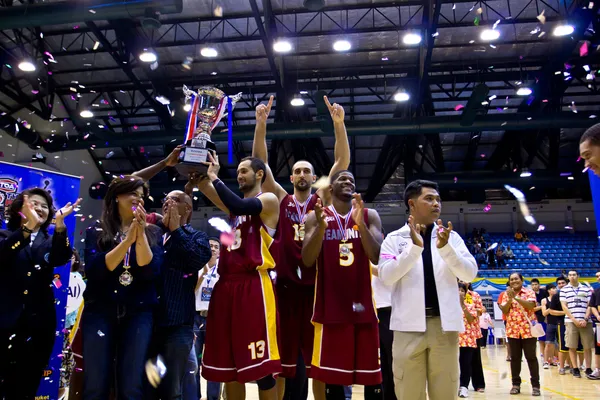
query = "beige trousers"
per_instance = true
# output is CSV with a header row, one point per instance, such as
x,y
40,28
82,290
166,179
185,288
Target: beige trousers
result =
x,y
426,358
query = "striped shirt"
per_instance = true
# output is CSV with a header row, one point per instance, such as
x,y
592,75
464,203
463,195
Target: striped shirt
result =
x,y
577,299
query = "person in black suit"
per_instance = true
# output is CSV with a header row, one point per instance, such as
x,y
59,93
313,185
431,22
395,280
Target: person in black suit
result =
x,y
28,255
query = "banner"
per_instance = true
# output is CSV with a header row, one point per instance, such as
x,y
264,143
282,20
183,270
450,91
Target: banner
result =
x,y
495,286
63,188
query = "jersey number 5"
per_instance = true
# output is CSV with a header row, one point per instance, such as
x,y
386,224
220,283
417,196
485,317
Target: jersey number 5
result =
x,y
237,242
257,349
347,258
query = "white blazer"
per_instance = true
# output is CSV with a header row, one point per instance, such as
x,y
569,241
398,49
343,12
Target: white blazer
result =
x,y
401,265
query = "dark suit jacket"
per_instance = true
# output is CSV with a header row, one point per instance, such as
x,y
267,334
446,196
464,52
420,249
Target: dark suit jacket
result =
x,y
27,273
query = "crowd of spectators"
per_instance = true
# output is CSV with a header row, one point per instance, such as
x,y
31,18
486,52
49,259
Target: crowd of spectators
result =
x,y
492,255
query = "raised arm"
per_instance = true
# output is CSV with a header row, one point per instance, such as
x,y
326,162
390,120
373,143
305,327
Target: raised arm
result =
x,y
151,171
260,150
315,232
341,150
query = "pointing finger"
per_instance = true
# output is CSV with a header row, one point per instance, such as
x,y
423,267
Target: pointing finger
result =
x,y
327,103
270,104
450,227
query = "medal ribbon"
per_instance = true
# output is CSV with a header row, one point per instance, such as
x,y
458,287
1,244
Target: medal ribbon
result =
x,y
344,228
301,214
238,219
126,259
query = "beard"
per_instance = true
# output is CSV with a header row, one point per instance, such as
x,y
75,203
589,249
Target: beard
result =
x,y
302,186
248,185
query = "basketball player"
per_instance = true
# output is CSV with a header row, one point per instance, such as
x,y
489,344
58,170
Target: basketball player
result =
x,y
295,283
589,148
241,327
340,240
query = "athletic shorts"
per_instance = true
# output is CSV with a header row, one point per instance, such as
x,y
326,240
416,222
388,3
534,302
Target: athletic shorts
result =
x,y
543,338
576,335
241,330
296,331
551,333
346,354
562,344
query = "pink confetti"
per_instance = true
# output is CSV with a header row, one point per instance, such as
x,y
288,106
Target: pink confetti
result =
x,y
455,179
142,149
76,27
482,155
49,72
583,50
135,127
534,248
541,228
35,91
227,239
57,283
578,159
459,107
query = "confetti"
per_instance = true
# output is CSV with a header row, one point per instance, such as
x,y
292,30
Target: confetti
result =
x,y
459,107
492,247
476,21
542,17
155,370
220,224
187,63
487,208
218,11
57,283
110,154
524,208
583,49
569,227
100,333
227,239
534,248
496,24
358,307
587,219
321,183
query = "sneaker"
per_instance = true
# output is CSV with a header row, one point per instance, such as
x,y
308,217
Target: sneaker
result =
x,y
582,367
594,375
576,373
463,392
546,365
561,371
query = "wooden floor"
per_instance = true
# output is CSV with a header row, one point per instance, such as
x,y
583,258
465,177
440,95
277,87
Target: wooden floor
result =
x,y
498,383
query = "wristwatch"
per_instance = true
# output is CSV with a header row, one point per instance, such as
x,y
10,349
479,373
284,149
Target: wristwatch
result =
x,y
26,229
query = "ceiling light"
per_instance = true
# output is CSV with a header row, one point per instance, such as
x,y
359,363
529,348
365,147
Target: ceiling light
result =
x,y
411,38
401,96
524,91
187,107
525,173
86,114
571,178
303,92
282,46
563,30
213,73
297,101
148,56
342,45
209,52
26,66
489,35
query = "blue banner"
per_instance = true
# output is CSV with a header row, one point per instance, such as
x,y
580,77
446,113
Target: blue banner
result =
x,y
63,188
595,187
495,286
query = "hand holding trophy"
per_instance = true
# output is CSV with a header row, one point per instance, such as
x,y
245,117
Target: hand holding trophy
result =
x,y
209,106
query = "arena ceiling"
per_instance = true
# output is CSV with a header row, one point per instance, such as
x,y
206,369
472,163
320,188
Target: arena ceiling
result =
x,y
465,125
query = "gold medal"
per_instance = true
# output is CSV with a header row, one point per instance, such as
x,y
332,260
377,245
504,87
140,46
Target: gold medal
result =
x,y
301,232
344,249
126,278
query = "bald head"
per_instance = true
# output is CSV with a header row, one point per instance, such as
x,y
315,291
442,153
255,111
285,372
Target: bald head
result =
x,y
183,202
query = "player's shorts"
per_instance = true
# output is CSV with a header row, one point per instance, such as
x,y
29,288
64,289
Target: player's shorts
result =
x,y
241,330
543,338
296,331
562,344
346,354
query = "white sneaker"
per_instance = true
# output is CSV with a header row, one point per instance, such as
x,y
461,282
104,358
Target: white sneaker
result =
x,y
463,392
546,365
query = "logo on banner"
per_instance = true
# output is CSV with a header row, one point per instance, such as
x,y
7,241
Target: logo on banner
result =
x,y
8,192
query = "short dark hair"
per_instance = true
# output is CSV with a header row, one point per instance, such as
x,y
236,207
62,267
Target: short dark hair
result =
x,y
463,286
333,177
415,188
592,134
561,278
535,280
574,270
216,239
550,286
14,216
257,165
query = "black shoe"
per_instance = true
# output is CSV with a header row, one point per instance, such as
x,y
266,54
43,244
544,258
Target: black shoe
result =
x,y
576,373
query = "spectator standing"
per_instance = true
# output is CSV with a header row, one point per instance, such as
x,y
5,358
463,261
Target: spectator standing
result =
x,y
485,322
518,307
467,340
574,299
551,326
540,294
500,257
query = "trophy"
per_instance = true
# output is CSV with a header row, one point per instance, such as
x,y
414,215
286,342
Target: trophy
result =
x,y
209,105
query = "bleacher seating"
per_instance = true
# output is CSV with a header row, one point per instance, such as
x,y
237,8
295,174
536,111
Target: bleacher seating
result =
x,y
563,251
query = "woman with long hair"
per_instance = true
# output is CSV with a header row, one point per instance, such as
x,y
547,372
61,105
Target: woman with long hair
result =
x,y
28,255
122,263
518,307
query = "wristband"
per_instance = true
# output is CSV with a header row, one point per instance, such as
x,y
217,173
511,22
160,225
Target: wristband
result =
x,y
26,229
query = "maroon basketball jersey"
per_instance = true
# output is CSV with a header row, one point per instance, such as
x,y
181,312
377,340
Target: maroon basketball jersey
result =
x,y
288,241
343,291
250,249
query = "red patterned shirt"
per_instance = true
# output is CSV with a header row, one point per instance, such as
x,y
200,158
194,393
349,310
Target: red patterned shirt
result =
x,y
517,326
469,337
478,307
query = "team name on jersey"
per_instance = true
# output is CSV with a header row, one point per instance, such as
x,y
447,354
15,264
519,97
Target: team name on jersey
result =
x,y
293,216
240,220
336,234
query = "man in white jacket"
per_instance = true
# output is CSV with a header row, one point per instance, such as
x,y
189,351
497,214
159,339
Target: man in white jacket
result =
x,y
422,261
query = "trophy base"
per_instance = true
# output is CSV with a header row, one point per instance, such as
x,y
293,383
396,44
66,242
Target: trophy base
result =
x,y
186,168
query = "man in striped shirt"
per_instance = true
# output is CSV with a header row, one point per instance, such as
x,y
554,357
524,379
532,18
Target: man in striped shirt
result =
x,y
575,298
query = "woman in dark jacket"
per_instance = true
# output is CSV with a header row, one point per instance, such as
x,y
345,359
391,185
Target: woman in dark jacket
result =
x,y
28,255
122,265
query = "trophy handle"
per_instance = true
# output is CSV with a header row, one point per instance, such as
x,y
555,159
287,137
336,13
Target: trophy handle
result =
x,y
236,98
188,93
